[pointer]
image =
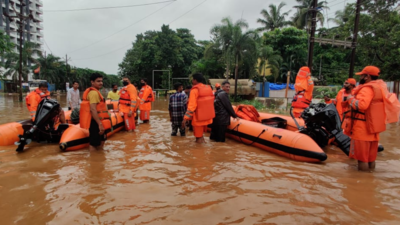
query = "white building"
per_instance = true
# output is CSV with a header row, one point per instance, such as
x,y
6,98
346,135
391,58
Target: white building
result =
x,y
33,31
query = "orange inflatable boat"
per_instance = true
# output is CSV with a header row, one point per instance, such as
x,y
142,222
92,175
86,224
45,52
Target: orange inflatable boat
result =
x,y
76,138
274,133
9,132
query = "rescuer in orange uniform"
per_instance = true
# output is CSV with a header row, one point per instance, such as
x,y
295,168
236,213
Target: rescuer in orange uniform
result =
x,y
341,98
127,103
35,97
368,117
304,87
200,108
146,98
93,113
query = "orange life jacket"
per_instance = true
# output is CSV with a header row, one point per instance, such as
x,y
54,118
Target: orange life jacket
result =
x,y
299,101
124,97
150,97
247,112
374,116
85,115
35,96
205,103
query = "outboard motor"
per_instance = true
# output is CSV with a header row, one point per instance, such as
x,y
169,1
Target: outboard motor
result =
x,y
43,127
323,123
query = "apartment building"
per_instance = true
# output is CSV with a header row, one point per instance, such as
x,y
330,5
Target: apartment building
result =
x,y
33,31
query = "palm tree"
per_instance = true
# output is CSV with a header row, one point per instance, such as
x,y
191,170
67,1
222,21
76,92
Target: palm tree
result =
x,y
29,50
223,34
51,68
273,19
269,59
302,18
342,16
242,43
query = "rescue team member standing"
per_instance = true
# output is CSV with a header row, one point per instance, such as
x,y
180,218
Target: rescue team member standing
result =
x,y
177,108
223,113
73,97
304,87
127,103
200,108
113,95
341,98
94,114
217,88
35,97
146,98
368,117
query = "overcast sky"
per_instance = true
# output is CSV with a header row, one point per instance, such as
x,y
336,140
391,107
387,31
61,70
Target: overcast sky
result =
x,y
76,33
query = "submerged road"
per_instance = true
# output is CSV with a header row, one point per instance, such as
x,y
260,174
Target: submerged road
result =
x,y
149,177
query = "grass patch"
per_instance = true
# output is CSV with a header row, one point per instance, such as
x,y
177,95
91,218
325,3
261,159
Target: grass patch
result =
x,y
258,105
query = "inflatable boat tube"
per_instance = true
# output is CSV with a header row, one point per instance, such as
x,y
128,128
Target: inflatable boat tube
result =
x,y
276,139
76,138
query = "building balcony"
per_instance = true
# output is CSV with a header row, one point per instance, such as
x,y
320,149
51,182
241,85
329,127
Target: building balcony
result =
x,y
39,10
39,2
39,26
39,17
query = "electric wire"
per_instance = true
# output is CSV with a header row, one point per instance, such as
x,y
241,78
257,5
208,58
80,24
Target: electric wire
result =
x,y
110,7
130,43
187,12
119,31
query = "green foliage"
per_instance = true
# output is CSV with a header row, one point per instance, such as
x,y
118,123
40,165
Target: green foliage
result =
x,y
258,105
274,18
302,17
54,70
331,92
161,50
12,64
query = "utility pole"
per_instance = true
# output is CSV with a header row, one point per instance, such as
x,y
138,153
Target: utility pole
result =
x,y
312,35
66,66
354,43
21,21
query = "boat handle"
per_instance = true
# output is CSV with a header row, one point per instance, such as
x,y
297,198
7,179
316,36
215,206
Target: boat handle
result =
x,y
278,136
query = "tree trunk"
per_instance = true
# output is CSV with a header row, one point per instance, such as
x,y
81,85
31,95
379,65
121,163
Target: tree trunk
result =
x,y
236,75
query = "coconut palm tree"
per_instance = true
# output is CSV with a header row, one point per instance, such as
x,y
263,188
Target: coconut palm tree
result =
x,y
342,16
50,68
274,18
269,59
223,34
29,50
302,17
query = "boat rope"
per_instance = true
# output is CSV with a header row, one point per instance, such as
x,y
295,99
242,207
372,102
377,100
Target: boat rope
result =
x,y
237,129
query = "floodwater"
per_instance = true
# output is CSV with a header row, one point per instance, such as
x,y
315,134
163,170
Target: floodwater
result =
x,y
149,177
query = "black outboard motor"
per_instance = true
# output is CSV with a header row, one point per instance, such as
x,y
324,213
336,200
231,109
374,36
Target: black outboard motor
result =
x,y
43,127
322,122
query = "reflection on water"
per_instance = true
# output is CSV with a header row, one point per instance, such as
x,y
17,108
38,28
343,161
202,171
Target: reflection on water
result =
x,y
149,177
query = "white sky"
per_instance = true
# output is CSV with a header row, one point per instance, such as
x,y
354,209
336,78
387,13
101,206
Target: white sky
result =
x,y
67,32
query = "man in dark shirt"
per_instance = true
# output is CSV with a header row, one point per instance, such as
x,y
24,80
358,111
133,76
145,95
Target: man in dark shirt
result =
x,y
223,113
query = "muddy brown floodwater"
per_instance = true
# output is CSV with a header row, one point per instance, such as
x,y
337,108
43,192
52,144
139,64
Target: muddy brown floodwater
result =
x,y
149,177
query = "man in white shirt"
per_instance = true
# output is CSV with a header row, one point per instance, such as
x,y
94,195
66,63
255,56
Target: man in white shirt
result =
x,y
73,97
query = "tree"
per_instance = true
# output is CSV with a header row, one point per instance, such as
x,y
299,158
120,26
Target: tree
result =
x,y
51,69
269,59
291,44
273,19
222,37
161,50
29,50
302,18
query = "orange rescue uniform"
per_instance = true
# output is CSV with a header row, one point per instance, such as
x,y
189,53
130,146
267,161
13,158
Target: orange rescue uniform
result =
x,y
146,97
304,87
200,108
127,103
367,120
33,99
